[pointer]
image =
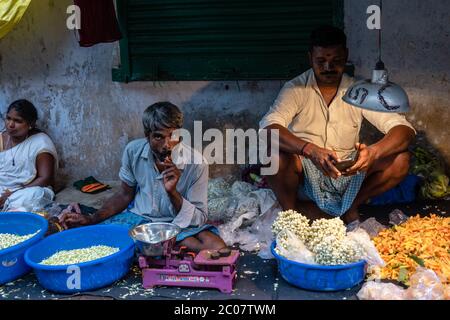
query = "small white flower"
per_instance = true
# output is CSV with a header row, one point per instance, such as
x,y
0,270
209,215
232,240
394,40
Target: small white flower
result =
x,y
68,257
325,238
8,240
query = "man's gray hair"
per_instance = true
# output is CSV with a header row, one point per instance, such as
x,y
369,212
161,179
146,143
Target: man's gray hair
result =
x,y
161,115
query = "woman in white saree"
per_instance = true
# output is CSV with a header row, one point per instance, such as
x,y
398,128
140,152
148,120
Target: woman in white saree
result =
x,y
28,161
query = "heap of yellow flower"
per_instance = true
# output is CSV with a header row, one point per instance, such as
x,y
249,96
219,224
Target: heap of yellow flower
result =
x,y
419,241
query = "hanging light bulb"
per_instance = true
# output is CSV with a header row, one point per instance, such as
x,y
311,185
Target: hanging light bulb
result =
x,y
378,93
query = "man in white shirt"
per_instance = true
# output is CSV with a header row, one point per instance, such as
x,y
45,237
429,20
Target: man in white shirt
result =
x,y
317,129
164,189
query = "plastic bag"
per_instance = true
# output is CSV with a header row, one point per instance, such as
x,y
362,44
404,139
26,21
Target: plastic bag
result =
x,y
227,230
372,227
226,203
373,290
218,209
397,217
250,224
425,285
447,292
370,252
257,237
292,248
262,227
248,241
218,188
241,188
54,210
219,200
247,205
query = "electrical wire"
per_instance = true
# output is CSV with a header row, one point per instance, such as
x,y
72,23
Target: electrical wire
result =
x,y
379,31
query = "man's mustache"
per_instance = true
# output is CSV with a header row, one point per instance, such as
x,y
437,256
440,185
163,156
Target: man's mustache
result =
x,y
326,73
163,155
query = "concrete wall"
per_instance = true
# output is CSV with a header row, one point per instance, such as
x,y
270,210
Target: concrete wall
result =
x,y
91,119
416,51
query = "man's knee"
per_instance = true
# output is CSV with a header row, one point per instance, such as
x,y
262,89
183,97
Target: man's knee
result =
x,y
216,244
396,166
400,167
210,240
288,162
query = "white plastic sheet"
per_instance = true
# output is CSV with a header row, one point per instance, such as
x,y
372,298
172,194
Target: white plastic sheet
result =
x,y
424,285
247,214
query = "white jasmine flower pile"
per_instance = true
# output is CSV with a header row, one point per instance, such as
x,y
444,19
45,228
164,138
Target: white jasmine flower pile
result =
x,y
293,221
326,239
8,240
67,257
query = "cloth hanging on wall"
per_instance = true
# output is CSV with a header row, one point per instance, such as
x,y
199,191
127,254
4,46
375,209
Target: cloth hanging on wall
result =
x,y
98,22
11,11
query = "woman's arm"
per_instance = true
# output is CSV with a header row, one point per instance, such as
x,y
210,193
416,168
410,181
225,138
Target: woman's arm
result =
x,y
45,166
5,195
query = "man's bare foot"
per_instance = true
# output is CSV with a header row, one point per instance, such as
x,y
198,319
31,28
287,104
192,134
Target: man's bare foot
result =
x,y
352,215
310,210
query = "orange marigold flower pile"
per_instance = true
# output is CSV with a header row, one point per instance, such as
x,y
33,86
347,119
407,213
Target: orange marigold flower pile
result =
x,y
419,241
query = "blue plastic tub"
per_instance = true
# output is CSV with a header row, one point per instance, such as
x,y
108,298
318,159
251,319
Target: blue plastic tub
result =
x,y
12,263
318,277
84,276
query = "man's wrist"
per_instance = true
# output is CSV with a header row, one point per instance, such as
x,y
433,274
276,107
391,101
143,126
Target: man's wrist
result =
x,y
93,218
375,151
177,200
306,150
174,194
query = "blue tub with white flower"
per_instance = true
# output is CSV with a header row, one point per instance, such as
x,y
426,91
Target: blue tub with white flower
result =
x,y
12,263
319,277
85,276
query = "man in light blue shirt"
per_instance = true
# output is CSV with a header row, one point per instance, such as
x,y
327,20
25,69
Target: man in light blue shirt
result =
x,y
163,189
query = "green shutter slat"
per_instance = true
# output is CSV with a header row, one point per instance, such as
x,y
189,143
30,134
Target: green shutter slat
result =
x,y
220,39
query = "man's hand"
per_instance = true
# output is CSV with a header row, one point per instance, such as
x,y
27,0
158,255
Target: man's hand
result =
x,y
71,217
367,157
323,160
171,176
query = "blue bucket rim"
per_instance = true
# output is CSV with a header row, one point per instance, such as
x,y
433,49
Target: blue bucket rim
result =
x,y
39,266
315,266
41,233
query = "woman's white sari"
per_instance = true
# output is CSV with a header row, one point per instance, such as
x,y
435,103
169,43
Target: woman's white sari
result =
x,y
18,168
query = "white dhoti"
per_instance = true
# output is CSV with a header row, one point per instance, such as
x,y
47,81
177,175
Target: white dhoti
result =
x,y
29,199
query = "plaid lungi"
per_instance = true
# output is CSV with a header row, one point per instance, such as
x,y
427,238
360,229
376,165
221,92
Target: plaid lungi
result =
x,y
333,196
